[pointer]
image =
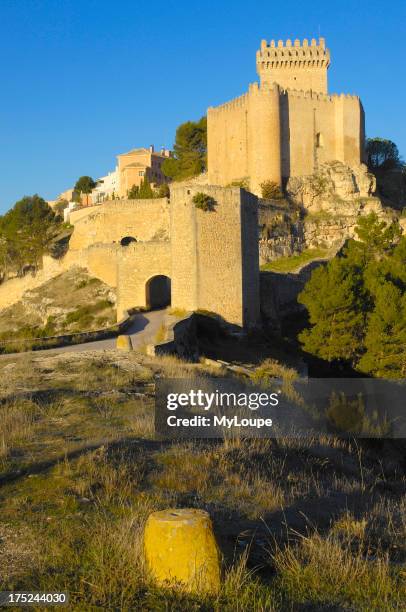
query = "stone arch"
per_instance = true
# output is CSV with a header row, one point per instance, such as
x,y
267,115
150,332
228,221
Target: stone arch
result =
x,y
158,291
127,240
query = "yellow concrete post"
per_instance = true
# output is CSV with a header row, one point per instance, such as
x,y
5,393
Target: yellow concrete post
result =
x,y
180,547
123,343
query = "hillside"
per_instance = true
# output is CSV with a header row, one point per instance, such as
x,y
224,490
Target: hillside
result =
x,y
71,301
303,524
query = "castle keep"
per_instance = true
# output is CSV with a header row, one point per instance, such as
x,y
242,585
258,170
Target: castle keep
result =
x,y
287,124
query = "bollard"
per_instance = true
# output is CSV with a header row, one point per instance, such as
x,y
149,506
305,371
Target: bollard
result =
x,y
180,547
124,343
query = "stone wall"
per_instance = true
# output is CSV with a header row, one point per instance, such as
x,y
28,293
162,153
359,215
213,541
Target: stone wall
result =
x,y
211,257
136,265
215,253
110,222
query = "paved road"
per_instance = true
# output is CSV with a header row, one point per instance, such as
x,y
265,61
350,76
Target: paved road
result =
x,y
142,331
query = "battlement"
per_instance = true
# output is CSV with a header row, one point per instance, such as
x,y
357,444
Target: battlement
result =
x,y
241,101
296,63
238,102
314,95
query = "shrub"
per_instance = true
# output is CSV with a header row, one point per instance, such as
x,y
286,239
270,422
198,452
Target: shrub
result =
x,y
163,191
133,192
204,202
271,191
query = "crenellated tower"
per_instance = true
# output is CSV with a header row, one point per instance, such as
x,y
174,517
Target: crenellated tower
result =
x,y
288,124
298,65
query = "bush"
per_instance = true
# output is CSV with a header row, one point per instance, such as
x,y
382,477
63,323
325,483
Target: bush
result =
x,y
133,192
204,202
271,191
163,191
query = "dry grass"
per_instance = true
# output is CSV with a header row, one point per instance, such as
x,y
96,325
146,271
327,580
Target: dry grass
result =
x,y
220,475
17,419
323,517
160,335
337,570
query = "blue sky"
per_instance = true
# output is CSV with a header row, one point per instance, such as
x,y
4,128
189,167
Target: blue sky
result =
x,y
83,80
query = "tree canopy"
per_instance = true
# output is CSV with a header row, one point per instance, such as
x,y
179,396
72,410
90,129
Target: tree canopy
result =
x,y
190,151
26,232
357,303
382,154
85,184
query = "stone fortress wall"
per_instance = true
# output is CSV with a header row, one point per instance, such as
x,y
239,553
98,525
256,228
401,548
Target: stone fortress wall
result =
x,y
209,259
114,220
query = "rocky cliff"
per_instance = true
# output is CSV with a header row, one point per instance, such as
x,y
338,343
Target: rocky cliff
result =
x,y
320,211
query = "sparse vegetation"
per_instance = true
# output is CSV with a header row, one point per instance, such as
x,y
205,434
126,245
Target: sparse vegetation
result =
x,y
271,191
244,183
295,262
70,302
204,202
323,518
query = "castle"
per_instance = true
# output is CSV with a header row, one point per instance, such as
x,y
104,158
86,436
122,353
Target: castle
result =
x,y
160,251
288,124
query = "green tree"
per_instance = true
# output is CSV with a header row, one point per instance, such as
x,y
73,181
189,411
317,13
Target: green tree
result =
x,y
27,231
385,339
84,184
376,239
357,303
190,151
382,154
335,301
145,190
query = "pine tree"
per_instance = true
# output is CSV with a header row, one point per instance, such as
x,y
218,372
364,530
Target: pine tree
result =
x,y
357,304
334,297
190,151
385,340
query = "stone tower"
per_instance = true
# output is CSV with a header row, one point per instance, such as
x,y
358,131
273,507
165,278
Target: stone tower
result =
x,y
294,65
288,124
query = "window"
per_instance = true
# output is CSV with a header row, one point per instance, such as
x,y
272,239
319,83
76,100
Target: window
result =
x,y
141,173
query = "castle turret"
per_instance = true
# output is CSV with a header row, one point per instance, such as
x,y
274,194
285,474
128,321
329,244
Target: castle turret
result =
x,y
297,65
264,135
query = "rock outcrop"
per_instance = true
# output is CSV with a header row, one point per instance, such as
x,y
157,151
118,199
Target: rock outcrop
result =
x,y
330,203
335,188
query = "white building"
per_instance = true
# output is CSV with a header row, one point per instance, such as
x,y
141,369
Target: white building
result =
x,y
107,188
